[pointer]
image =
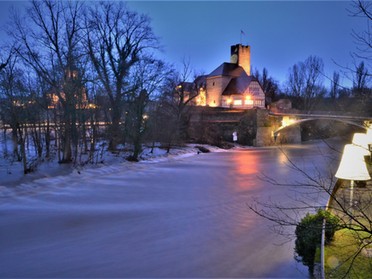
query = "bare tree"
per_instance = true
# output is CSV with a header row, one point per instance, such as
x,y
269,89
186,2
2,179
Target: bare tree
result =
x,y
268,84
305,82
148,77
116,39
14,107
361,81
177,96
8,113
50,43
363,39
334,92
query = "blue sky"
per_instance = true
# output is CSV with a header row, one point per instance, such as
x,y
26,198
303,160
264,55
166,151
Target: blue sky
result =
x,y
280,33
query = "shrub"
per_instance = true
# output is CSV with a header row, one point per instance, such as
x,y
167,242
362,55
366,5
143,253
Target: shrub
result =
x,y
309,233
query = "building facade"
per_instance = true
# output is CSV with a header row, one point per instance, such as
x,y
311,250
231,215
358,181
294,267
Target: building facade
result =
x,y
231,85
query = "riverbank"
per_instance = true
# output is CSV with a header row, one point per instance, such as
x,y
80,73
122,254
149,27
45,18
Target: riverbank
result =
x,y
11,172
12,176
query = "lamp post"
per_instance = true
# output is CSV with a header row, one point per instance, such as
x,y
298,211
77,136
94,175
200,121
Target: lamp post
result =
x,y
353,167
369,139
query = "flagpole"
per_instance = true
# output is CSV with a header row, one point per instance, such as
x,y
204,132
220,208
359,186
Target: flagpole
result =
x,y
242,33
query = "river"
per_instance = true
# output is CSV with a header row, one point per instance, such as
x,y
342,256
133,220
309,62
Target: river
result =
x,y
187,218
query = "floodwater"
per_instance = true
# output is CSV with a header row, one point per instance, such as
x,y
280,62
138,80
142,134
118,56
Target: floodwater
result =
x,y
187,218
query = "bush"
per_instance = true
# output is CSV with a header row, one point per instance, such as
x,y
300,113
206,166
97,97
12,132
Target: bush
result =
x,y
309,234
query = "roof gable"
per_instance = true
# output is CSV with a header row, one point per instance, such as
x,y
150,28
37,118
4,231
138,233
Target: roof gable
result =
x,y
227,69
239,85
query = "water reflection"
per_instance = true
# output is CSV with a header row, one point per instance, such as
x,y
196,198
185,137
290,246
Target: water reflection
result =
x,y
250,166
246,163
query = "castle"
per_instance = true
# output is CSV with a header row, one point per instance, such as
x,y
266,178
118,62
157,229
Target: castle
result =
x,y
231,85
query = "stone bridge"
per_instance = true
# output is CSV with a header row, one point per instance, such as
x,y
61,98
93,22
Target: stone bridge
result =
x,y
290,122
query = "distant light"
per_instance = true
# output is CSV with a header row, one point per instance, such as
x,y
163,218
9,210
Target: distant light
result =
x,y
286,121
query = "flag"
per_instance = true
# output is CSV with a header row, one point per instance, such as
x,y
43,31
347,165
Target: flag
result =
x,y
242,32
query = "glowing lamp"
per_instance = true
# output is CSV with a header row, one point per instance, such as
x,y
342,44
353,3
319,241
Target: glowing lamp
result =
x,y
352,167
362,141
369,133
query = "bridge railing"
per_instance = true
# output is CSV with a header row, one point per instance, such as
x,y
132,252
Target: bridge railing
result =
x,y
329,114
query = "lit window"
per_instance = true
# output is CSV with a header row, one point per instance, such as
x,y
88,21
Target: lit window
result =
x,y
249,102
238,102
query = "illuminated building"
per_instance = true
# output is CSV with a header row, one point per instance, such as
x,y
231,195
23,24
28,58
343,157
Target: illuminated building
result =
x,y
231,85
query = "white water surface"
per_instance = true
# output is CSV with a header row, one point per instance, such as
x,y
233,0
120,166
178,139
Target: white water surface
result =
x,y
185,218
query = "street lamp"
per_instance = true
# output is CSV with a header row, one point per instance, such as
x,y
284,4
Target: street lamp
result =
x,y
362,140
353,166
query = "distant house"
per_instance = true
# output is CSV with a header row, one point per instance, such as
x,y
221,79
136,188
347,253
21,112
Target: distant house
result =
x,y
79,95
231,85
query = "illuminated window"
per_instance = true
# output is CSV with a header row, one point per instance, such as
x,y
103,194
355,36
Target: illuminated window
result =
x,y
238,102
249,102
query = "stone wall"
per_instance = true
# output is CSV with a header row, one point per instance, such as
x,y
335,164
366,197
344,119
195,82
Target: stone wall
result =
x,y
215,125
215,86
255,127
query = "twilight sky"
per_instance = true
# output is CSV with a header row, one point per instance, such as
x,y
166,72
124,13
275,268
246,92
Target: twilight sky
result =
x,y
280,33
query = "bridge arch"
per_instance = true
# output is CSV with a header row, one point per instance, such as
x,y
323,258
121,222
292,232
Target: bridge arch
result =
x,y
317,118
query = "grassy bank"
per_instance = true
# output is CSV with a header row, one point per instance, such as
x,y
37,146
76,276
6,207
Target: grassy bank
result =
x,y
344,260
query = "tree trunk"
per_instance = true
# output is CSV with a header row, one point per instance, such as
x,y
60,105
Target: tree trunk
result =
x,y
15,144
22,141
66,144
114,129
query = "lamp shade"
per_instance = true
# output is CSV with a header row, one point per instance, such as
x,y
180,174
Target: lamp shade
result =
x,y
353,165
369,135
361,140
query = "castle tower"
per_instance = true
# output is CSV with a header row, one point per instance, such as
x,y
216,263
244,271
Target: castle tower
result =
x,y
241,55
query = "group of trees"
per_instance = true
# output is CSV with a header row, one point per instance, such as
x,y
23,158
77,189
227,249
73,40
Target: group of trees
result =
x,y
69,66
306,88
310,88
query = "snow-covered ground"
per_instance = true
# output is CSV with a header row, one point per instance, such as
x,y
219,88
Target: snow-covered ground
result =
x,y
13,180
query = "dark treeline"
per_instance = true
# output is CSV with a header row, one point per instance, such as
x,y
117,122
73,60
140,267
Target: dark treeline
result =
x,y
306,87
75,76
